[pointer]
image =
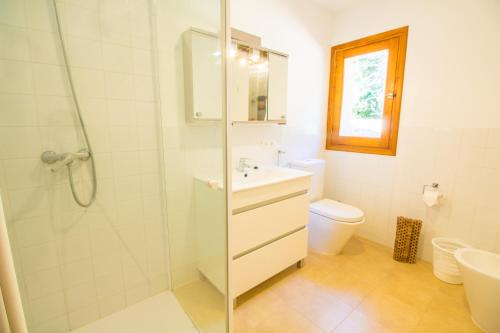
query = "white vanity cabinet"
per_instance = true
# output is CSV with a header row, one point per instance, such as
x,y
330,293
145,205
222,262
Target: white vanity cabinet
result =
x,y
268,233
267,230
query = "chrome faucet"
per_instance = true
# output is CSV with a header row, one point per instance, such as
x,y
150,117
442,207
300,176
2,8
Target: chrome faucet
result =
x,y
243,165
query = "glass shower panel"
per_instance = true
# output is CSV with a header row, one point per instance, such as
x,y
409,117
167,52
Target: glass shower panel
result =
x,y
76,265
195,158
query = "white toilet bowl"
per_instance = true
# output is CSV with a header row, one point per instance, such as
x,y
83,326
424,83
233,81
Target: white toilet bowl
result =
x,y
481,277
331,225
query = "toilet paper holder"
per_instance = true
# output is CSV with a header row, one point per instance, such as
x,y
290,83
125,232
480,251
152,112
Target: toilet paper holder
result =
x,y
433,185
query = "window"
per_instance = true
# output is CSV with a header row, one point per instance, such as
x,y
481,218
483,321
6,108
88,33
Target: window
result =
x,y
366,84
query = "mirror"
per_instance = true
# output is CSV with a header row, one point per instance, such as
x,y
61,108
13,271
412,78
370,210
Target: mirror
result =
x,y
257,84
257,87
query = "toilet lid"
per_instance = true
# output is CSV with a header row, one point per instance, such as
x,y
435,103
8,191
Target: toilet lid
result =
x,y
337,210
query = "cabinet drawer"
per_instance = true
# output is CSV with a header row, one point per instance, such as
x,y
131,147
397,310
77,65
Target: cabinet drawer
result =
x,y
260,225
261,264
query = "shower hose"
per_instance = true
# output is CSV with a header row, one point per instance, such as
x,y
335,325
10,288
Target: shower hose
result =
x,y
80,120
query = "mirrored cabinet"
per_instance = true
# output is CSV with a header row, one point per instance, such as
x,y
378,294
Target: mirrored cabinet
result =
x,y
257,81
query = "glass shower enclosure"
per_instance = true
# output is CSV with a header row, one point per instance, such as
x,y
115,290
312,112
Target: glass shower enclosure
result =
x,y
112,192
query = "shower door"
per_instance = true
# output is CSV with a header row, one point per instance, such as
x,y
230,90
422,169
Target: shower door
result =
x,y
81,262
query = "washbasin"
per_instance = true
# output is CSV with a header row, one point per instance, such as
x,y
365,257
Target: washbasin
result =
x,y
261,185
265,185
263,177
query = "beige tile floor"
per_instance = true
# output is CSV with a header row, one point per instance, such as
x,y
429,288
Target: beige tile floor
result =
x,y
360,290
204,304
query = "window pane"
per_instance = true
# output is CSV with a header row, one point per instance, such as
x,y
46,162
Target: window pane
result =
x,y
363,95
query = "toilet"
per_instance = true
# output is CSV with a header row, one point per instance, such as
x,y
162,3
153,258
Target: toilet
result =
x,y
331,223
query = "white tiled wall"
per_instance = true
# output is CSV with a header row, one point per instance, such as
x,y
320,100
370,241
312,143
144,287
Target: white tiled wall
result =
x,y
76,265
465,163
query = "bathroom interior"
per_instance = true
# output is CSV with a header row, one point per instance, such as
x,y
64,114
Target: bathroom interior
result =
x,y
265,166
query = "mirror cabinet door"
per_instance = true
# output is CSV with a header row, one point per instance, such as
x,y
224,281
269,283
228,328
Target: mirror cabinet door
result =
x,y
278,84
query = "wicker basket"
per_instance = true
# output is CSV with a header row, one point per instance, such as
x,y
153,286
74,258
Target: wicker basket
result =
x,y
406,243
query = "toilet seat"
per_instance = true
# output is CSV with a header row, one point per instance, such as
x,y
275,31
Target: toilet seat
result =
x,y
337,211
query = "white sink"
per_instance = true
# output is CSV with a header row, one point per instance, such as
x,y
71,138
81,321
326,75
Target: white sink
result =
x,y
263,184
255,186
263,177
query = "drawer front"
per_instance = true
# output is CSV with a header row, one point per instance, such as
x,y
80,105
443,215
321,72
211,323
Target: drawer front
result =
x,y
259,265
255,227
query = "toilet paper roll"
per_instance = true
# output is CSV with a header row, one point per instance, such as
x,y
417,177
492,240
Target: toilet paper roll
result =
x,y
431,198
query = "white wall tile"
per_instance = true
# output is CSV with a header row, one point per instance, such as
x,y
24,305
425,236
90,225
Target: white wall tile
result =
x,y
13,43
45,47
43,283
19,142
50,80
75,248
104,239
143,87
137,293
40,15
35,198
15,77
24,173
117,58
126,163
107,263
80,296
56,325
39,257
35,231
119,86
77,272
89,82
109,285
143,62
122,113
84,316
18,110
55,111
13,13
112,304
85,52
48,307
80,22
115,24
124,138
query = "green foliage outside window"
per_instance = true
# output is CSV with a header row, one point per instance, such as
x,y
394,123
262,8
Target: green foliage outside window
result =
x,y
371,81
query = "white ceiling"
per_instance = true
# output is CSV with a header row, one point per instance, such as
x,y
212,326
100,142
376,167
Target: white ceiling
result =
x,y
333,5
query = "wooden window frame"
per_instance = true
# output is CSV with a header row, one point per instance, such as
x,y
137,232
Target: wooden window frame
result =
x,y
396,41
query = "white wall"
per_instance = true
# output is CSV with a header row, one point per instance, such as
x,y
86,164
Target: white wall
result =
x,y
300,30
76,265
450,123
